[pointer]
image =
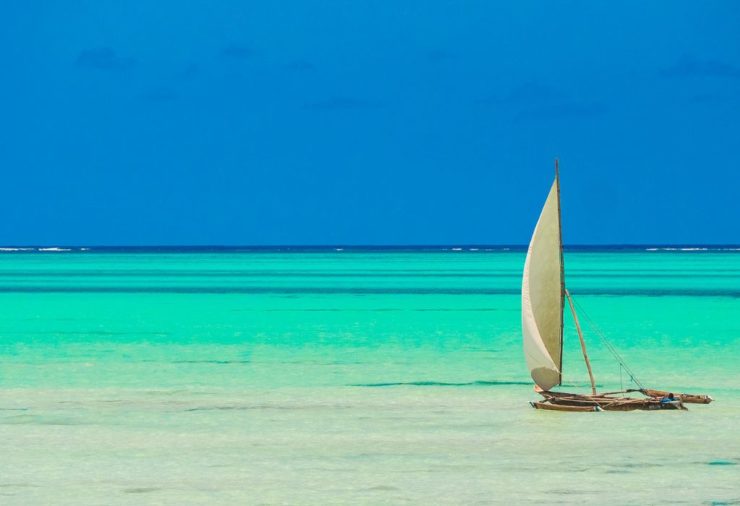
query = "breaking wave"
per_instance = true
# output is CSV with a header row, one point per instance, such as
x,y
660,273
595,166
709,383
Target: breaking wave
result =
x,y
694,248
44,249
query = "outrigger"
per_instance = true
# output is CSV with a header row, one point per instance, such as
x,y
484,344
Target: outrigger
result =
x,y
543,302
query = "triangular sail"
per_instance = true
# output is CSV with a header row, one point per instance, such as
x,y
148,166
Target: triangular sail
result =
x,y
542,296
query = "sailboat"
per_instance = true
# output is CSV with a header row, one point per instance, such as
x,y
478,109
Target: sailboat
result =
x,y
543,302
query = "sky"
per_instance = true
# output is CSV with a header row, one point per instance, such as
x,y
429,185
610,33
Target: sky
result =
x,y
367,122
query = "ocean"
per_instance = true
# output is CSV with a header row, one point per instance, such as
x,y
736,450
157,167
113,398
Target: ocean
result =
x,y
357,376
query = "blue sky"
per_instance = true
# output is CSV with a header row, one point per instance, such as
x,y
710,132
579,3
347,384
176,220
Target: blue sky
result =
x,y
350,122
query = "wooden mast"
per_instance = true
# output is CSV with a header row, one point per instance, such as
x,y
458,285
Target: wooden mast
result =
x,y
564,292
562,271
583,343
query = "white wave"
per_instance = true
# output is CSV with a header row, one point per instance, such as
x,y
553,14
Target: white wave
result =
x,y
84,249
694,248
474,249
456,249
55,249
338,249
16,249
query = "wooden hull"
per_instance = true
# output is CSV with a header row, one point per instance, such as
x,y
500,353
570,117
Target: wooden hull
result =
x,y
561,407
562,401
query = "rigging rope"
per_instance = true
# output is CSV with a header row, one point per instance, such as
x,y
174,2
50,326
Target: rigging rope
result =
x,y
608,345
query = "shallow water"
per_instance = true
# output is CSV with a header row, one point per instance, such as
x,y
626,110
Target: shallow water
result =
x,y
355,377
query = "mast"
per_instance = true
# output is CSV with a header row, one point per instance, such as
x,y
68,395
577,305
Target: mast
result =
x,y
562,270
583,343
564,293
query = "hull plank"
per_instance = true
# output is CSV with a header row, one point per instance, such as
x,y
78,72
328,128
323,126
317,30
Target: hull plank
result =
x,y
561,407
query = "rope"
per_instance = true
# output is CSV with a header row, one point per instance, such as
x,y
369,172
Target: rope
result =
x,y
609,346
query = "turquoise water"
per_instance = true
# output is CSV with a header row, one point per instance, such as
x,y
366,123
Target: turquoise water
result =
x,y
356,377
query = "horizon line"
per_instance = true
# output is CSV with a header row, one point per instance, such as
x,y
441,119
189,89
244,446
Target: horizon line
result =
x,y
360,246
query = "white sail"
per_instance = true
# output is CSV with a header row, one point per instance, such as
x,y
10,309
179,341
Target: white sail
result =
x,y
542,296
